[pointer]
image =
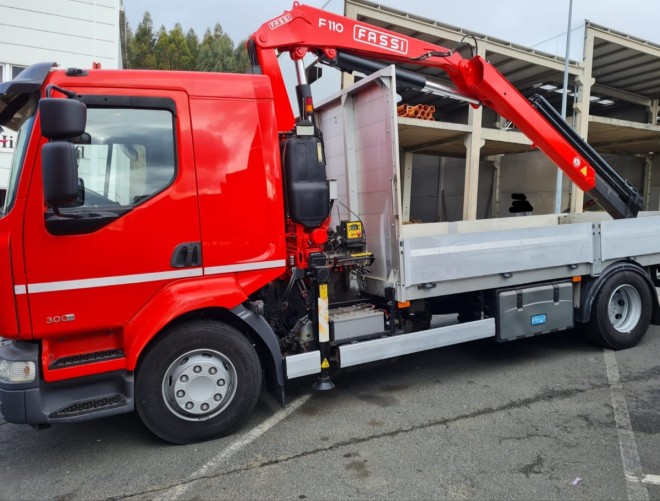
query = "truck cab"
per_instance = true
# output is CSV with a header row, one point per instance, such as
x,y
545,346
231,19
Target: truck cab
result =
x,y
176,180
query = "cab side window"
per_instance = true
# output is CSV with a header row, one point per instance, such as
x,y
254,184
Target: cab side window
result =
x,y
126,155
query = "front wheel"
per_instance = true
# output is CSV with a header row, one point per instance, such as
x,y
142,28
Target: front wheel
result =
x,y
622,311
199,380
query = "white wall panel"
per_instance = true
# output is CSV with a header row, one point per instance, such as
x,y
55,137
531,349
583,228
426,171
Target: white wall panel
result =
x,y
72,33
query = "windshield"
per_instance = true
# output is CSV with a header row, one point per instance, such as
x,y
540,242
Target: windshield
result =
x,y
20,126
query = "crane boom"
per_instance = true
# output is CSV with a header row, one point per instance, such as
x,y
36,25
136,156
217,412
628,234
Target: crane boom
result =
x,y
306,29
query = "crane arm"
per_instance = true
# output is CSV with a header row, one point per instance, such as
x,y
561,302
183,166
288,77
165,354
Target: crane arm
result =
x,y
306,29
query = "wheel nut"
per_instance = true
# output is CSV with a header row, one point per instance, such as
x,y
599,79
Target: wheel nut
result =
x,y
197,369
180,393
213,370
205,407
217,397
189,405
221,382
184,379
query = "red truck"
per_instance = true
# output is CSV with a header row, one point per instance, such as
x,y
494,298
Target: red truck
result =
x,y
168,246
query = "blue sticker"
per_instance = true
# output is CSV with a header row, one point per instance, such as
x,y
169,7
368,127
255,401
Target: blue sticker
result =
x,y
539,319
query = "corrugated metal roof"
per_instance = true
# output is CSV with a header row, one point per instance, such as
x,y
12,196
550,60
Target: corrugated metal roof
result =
x,y
523,66
625,62
626,70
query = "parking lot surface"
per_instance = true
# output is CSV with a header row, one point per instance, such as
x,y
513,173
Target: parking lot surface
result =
x,y
551,417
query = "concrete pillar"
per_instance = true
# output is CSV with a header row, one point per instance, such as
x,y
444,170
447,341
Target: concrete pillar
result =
x,y
441,213
654,111
350,11
584,82
407,185
648,169
497,165
473,145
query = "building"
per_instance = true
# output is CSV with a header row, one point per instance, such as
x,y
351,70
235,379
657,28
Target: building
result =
x,y
71,33
467,163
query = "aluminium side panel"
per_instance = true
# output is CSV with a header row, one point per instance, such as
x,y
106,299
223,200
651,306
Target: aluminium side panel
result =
x,y
637,238
455,257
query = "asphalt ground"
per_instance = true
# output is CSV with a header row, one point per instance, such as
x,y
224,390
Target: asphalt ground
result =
x,y
551,417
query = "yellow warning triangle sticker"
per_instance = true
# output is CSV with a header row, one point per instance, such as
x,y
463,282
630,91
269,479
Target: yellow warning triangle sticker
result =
x,y
583,171
325,364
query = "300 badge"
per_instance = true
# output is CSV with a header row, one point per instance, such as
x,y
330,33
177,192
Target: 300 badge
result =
x,y
70,317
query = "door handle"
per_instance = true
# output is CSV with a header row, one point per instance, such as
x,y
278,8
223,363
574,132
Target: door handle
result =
x,y
187,255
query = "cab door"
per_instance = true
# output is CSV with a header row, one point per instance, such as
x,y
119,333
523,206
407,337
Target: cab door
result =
x,y
91,267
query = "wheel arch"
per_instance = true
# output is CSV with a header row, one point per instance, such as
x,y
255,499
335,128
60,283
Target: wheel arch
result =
x,y
590,288
255,328
218,298
259,332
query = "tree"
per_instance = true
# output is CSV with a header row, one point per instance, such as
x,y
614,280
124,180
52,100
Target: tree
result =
x,y
193,46
141,46
216,52
241,58
125,36
175,50
171,50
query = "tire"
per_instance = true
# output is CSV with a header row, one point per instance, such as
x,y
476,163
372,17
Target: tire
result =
x,y
198,380
622,311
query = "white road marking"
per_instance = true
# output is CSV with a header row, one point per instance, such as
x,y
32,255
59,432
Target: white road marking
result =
x,y
632,467
177,491
651,479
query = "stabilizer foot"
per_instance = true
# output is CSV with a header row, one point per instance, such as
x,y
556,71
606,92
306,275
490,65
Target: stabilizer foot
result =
x,y
323,383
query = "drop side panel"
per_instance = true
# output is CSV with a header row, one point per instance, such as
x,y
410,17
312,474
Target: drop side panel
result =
x,y
361,144
459,256
631,238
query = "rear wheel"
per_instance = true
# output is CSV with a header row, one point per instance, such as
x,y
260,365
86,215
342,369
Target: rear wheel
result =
x,y
622,311
199,380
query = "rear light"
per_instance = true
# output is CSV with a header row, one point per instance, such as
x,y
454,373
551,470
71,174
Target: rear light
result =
x,y
309,105
17,372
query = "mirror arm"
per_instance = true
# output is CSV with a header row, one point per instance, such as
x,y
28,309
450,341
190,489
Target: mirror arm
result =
x,y
67,93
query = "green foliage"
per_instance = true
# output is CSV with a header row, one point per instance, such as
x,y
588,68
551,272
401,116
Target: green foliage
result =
x,y
241,57
141,45
193,45
216,51
172,51
125,34
176,50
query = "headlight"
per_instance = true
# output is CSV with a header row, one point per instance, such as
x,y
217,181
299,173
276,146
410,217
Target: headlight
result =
x,y
17,372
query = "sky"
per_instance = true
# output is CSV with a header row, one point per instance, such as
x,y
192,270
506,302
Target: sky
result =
x,y
525,22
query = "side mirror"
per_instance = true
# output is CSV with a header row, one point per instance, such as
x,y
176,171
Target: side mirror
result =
x,y
59,167
62,118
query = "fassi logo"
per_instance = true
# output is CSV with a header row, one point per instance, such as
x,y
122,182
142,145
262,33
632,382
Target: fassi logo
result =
x,y
280,21
380,39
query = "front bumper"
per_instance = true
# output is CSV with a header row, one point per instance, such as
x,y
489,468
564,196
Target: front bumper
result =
x,y
12,395
79,399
